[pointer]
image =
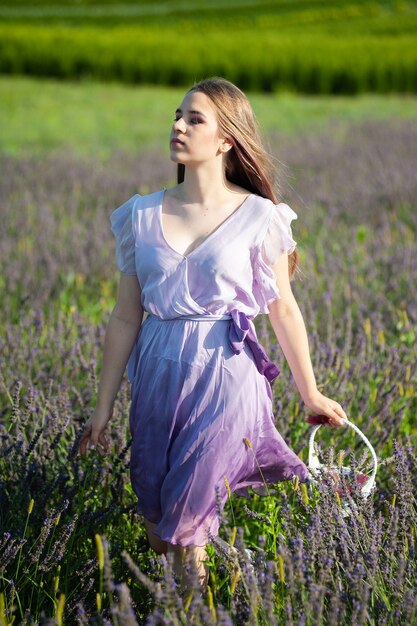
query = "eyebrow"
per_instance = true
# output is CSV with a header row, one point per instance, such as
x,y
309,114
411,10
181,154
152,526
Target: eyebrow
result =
x,y
192,112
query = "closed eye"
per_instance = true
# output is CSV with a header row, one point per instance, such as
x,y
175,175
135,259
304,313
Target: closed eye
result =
x,y
193,120
195,117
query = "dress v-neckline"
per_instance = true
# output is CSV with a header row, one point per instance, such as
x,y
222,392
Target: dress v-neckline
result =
x,y
209,236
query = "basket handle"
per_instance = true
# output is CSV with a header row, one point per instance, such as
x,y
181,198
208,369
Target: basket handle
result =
x,y
314,461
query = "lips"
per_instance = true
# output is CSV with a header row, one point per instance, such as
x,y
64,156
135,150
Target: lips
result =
x,y
177,142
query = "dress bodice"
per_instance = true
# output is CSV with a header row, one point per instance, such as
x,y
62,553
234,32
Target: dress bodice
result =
x,y
230,270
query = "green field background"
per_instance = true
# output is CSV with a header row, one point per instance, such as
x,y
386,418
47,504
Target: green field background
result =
x,y
304,46
93,119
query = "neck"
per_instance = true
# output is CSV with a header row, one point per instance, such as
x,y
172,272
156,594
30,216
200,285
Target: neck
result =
x,y
204,183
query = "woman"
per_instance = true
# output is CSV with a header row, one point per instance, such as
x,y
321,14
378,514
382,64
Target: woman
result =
x,y
202,259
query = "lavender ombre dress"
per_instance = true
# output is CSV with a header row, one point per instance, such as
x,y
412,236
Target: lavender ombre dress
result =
x,y
201,414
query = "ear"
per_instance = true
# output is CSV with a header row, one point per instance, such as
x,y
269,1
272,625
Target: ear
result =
x,y
226,144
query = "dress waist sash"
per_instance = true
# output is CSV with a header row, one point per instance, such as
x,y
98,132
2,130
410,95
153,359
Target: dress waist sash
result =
x,y
241,330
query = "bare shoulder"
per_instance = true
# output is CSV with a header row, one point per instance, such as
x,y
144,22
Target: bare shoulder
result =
x,y
239,192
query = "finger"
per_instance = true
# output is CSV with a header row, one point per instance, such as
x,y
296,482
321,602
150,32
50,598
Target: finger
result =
x,y
82,445
101,450
94,438
98,441
103,440
339,410
336,420
103,445
333,418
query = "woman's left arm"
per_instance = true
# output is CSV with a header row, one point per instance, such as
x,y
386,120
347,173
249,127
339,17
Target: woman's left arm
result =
x,y
288,324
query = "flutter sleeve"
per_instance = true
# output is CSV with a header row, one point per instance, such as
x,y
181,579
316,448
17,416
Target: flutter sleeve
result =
x,y
276,241
279,239
122,228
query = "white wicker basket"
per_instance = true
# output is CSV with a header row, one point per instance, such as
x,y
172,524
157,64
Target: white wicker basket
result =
x,y
366,482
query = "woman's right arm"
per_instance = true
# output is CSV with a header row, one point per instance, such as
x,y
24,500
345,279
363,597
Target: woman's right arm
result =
x,y
122,329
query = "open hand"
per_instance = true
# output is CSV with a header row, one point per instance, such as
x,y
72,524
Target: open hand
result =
x,y
93,436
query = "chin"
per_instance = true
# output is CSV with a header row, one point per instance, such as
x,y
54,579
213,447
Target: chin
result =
x,y
175,158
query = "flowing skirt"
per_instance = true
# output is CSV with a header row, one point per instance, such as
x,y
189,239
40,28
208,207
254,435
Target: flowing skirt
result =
x,y
201,422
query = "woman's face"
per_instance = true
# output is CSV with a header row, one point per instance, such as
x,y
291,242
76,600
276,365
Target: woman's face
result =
x,y
195,136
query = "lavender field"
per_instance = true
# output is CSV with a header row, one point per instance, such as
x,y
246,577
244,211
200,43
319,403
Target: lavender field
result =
x,y
72,548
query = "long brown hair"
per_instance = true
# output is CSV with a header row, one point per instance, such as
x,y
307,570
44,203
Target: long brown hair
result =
x,y
248,163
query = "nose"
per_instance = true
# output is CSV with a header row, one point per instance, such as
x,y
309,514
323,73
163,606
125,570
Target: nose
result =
x,y
179,125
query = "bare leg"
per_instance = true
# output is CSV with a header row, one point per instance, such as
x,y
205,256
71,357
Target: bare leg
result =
x,y
197,555
156,542
192,556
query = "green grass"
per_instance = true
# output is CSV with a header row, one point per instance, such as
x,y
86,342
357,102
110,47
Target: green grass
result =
x,y
96,119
